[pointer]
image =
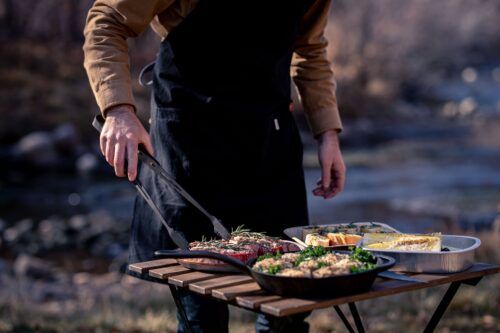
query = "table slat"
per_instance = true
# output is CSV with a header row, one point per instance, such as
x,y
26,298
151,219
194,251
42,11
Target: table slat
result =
x,y
166,272
184,280
230,293
288,306
206,287
254,302
144,267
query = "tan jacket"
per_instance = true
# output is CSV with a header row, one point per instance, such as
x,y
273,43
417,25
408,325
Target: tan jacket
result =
x,y
111,22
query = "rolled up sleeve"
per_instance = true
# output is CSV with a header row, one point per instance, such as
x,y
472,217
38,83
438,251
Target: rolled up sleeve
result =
x,y
109,24
312,72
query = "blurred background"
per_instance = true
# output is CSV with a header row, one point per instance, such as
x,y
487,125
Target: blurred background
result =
x,y
419,93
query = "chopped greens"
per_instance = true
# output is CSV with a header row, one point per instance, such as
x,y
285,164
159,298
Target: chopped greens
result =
x,y
310,252
363,256
273,269
313,251
322,264
269,255
265,256
365,267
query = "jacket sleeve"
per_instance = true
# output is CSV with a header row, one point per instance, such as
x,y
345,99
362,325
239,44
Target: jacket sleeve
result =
x,y
312,72
109,24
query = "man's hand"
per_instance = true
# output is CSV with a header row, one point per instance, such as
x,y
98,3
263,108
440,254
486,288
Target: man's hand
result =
x,y
332,166
120,137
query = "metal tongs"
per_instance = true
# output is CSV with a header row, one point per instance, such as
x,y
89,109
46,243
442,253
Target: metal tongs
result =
x,y
148,160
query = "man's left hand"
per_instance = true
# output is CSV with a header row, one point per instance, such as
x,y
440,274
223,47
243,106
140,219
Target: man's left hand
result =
x,y
332,166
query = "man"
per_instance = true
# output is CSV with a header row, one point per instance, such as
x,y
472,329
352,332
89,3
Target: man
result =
x,y
220,118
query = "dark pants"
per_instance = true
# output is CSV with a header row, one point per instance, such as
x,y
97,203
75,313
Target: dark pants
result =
x,y
209,316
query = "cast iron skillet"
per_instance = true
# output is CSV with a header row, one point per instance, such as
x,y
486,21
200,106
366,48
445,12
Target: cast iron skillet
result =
x,y
333,286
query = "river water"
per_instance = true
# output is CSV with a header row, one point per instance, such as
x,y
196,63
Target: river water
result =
x,y
414,184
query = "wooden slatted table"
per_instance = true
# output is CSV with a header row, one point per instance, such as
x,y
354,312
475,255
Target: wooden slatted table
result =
x,y
242,291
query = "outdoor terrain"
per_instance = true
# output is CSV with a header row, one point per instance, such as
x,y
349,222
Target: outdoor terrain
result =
x,y
419,92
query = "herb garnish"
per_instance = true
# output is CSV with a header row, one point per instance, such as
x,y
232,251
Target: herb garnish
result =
x,y
269,255
242,232
322,264
273,269
363,256
310,252
365,267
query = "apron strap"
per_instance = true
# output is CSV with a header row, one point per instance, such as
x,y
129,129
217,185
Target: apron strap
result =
x,y
148,68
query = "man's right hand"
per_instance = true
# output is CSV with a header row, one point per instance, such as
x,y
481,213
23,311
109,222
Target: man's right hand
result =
x,y
121,135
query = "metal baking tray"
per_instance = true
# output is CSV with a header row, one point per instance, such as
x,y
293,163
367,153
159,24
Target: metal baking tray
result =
x,y
459,257
300,232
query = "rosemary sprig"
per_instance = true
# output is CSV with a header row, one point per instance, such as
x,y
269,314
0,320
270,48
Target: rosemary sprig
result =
x,y
247,233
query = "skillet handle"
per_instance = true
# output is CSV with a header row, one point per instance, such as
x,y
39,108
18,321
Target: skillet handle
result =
x,y
183,254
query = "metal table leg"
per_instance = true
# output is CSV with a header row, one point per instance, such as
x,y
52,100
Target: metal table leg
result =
x,y
357,318
355,315
347,324
445,302
180,307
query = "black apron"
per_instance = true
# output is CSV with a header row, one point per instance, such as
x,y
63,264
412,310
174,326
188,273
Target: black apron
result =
x,y
221,124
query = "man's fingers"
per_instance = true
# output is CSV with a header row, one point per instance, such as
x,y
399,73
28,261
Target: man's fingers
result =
x,y
340,177
333,192
146,141
120,138
318,193
102,144
132,160
119,159
337,184
326,176
110,152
